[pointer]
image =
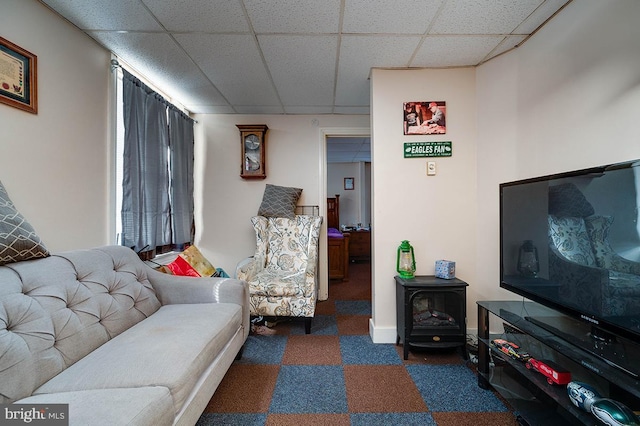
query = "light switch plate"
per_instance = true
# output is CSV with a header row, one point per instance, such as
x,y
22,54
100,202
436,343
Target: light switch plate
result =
x,y
431,168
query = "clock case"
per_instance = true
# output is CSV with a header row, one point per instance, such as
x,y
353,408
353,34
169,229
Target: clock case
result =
x,y
253,148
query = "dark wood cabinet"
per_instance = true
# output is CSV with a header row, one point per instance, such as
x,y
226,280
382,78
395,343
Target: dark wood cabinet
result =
x,y
338,257
431,313
360,246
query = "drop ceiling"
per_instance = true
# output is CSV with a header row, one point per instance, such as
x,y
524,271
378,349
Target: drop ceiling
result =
x,y
297,56
348,149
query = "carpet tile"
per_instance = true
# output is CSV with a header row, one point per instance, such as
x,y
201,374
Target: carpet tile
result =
x,y
353,307
336,376
373,388
308,420
215,419
308,349
447,388
245,389
386,419
362,350
263,349
353,324
321,325
309,389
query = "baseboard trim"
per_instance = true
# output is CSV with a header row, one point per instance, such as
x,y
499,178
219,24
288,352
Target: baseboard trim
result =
x,y
382,334
389,334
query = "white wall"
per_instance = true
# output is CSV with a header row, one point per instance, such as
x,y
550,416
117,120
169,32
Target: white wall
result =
x,y
437,214
225,202
353,203
56,165
569,98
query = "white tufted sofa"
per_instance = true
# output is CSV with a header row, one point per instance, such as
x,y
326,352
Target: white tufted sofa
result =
x,y
116,340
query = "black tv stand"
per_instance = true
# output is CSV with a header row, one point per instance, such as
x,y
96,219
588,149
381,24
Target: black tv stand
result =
x,y
615,351
532,327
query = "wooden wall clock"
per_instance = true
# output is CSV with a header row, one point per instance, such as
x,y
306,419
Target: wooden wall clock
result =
x,y
253,141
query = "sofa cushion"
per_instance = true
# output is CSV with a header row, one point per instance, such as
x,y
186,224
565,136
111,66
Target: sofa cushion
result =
x,y
279,201
142,355
18,239
108,407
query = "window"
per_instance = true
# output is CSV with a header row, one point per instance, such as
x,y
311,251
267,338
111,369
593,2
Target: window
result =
x,y
154,195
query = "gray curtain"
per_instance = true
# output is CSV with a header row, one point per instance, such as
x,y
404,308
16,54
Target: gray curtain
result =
x,y
146,209
181,171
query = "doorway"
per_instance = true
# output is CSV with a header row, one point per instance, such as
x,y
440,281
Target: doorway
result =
x,y
348,180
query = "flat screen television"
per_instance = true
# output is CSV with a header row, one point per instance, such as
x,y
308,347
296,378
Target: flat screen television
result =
x,y
571,242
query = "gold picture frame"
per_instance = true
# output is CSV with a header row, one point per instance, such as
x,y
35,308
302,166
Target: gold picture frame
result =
x,y
254,150
18,77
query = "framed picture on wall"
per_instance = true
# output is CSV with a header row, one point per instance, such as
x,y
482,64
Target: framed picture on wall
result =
x,y
425,118
18,77
348,183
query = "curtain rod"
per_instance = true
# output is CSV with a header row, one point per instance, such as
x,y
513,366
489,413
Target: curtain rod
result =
x,y
115,65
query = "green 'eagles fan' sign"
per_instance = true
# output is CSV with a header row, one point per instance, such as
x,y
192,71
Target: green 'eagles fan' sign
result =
x,y
427,149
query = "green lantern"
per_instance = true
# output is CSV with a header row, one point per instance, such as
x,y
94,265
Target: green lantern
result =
x,y
406,261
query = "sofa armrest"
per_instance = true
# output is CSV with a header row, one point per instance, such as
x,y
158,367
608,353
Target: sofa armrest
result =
x,y
174,289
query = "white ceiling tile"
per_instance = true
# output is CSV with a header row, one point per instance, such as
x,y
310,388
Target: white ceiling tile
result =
x,y
121,15
200,15
300,78
213,109
195,97
508,43
358,54
327,109
159,59
259,109
234,65
353,89
539,16
452,51
394,17
482,16
350,110
294,16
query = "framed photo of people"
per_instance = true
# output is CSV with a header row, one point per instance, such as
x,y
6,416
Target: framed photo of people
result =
x,y
18,77
425,118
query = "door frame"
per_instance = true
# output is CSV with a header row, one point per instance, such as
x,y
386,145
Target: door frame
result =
x,y
325,132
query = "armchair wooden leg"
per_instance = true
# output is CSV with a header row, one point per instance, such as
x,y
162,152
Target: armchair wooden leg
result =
x,y
307,325
239,354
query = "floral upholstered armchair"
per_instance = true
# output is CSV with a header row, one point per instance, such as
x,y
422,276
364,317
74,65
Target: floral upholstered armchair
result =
x,y
594,276
282,275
